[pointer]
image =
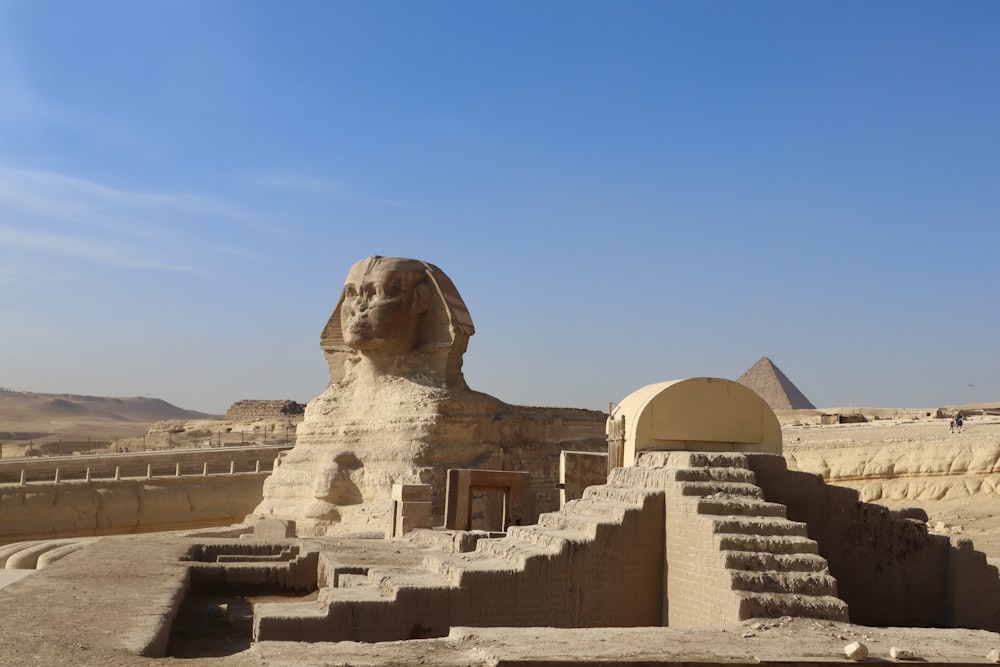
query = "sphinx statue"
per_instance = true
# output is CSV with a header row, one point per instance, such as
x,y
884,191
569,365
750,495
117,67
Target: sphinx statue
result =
x,y
398,410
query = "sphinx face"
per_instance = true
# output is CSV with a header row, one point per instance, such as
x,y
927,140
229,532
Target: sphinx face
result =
x,y
383,305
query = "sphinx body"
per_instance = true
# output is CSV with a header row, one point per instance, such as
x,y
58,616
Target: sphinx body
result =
x,y
398,411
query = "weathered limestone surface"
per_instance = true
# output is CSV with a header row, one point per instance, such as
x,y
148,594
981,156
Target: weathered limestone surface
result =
x,y
398,410
891,570
115,507
901,470
249,410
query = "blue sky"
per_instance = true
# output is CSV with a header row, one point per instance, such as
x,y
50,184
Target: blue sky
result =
x,y
624,193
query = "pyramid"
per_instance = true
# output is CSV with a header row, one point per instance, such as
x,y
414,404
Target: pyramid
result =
x,y
774,387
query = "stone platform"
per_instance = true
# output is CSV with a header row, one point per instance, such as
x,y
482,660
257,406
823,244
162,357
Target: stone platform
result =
x,y
95,607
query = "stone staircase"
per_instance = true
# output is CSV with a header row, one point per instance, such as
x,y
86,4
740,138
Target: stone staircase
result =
x,y
597,562
732,555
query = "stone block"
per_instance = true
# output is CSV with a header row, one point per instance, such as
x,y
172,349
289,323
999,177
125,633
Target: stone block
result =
x,y
415,510
405,524
411,493
274,529
856,651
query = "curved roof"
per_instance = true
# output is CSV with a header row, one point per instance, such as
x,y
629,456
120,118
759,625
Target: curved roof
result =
x,y
698,414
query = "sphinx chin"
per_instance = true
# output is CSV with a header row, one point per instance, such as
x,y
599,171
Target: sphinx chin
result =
x,y
322,510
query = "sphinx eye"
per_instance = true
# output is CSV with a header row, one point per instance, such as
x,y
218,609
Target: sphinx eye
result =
x,y
349,290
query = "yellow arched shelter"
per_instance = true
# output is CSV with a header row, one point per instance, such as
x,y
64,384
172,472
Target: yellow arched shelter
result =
x,y
697,414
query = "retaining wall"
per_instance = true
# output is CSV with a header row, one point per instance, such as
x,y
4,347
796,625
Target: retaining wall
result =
x,y
135,505
889,569
134,464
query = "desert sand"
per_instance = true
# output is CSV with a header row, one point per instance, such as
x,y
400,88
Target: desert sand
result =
x,y
61,424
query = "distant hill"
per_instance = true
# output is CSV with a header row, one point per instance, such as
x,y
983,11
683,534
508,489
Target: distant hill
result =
x,y
25,414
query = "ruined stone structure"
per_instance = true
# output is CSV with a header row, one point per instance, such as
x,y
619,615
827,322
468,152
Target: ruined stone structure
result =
x,y
674,537
398,410
251,410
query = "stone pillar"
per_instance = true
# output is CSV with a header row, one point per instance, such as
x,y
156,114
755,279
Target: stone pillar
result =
x,y
411,505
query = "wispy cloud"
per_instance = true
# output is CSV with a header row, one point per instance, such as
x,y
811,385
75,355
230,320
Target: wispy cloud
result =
x,y
60,214
71,199
111,254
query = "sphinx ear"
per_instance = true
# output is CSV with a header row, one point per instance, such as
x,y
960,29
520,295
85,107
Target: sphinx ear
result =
x,y
422,298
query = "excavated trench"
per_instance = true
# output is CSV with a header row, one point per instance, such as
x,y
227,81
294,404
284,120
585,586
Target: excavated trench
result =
x,y
226,581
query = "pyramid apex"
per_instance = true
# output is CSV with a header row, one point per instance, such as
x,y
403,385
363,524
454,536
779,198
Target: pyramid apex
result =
x,y
768,382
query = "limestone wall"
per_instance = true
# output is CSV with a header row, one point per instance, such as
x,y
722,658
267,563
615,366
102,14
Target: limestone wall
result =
x,y
135,505
889,570
542,434
250,410
578,470
135,464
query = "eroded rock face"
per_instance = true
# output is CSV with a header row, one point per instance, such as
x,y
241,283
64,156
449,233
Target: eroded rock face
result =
x,y
398,411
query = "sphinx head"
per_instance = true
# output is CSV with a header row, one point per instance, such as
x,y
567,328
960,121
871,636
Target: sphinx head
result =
x,y
383,304
401,314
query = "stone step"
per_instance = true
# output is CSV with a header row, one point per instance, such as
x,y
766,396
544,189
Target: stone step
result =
x,y
583,524
755,560
548,537
353,580
390,580
801,583
298,610
643,478
721,489
776,605
436,540
676,459
625,495
456,567
515,551
740,507
600,510
367,592
757,525
714,475
452,541
772,544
